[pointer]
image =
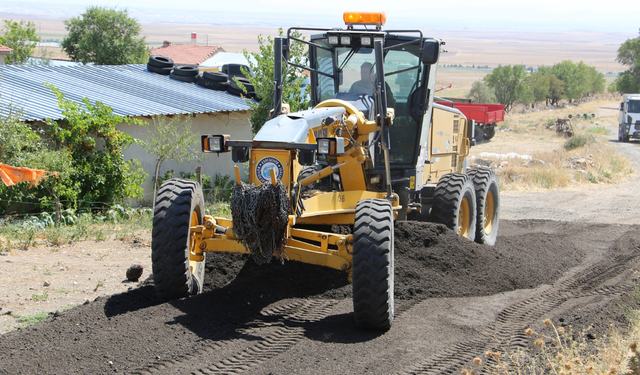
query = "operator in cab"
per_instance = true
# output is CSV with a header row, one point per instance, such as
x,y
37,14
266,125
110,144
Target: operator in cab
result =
x,y
365,84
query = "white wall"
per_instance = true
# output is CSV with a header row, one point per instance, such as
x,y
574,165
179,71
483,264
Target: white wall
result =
x,y
236,124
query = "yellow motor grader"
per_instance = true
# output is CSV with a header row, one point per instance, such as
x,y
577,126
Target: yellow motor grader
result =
x,y
373,149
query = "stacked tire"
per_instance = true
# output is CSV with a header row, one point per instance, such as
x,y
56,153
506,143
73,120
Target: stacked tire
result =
x,y
214,80
185,73
160,65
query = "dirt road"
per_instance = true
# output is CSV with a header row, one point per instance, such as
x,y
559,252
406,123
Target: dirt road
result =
x,y
571,256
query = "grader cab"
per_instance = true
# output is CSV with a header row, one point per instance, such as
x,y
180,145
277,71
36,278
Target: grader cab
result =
x,y
373,149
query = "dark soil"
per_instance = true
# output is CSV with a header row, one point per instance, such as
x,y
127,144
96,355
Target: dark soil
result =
x,y
134,332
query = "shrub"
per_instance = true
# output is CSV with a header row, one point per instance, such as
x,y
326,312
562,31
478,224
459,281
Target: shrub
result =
x,y
578,140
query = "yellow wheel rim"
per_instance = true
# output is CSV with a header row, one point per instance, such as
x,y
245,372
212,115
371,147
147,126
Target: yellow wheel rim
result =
x,y
192,243
464,217
489,212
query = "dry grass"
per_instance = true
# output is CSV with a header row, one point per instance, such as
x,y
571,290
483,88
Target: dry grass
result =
x,y
560,351
528,154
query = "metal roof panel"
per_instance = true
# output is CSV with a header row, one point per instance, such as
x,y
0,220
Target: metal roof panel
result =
x,y
131,90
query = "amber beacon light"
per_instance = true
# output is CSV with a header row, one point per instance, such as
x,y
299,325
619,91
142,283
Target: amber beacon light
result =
x,y
364,18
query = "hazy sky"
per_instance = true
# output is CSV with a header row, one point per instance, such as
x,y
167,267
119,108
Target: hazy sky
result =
x,y
543,15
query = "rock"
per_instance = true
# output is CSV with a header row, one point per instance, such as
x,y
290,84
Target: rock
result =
x,y
4,254
134,272
483,162
531,163
46,283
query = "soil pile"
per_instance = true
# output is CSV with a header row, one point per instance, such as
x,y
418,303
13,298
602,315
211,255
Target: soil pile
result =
x,y
430,261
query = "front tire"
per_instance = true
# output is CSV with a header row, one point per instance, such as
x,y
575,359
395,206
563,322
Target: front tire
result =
x,y
373,265
454,204
487,190
179,206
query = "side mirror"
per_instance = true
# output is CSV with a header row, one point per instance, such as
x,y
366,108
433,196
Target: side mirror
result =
x,y
430,52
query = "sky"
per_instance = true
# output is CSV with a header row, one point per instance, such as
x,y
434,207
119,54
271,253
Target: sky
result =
x,y
538,15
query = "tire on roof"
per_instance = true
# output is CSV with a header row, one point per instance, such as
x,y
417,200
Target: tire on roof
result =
x,y
234,89
186,70
154,69
215,76
182,78
209,84
160,61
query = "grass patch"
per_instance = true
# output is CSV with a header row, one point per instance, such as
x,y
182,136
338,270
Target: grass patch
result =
x,y
40,297
27,320
599,130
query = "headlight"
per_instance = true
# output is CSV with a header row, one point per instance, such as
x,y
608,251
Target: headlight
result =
x,y
215,143
333,39
331,146
345,40
323,146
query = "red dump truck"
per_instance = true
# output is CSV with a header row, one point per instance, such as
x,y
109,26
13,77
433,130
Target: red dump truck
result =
x,y
485,115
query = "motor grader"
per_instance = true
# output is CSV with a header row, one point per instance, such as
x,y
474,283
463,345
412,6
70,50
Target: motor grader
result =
x,y
373,149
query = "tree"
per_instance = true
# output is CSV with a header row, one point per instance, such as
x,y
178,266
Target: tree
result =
x,y
539,84
481,93
293,91
629,55
102,174
570,74
104,36
171,140
592,81
21,37
507,83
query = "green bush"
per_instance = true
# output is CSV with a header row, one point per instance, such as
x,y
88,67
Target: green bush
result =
x,y
578,140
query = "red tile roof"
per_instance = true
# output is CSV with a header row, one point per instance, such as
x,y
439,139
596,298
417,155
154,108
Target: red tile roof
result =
x,y
186,53
5,50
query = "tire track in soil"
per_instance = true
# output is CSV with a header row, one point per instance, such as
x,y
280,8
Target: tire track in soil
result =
x,y
279,328
512,321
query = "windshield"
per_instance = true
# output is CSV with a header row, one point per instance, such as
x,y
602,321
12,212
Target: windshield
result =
x,y
353,75
634,106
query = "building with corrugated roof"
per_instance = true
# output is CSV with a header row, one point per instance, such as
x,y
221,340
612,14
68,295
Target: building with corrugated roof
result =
x,y
131,91
4,50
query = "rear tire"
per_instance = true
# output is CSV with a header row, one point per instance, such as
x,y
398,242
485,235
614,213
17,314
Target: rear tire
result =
x,y
489,132
454,204
179,206
373,265
487,190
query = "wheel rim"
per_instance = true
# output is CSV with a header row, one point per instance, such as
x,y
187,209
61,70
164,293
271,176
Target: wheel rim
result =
x,y
192,243
464,216
489,212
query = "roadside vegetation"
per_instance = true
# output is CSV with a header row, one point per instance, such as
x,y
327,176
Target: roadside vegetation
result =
x,y
21,232
536,157
559,350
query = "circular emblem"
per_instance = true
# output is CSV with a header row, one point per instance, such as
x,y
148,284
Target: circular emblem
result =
x,y
265,165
